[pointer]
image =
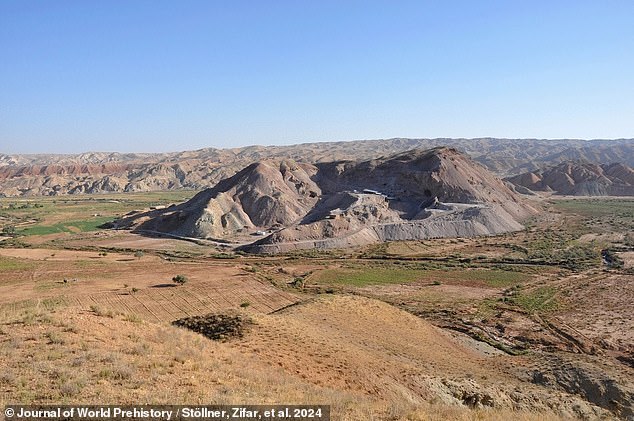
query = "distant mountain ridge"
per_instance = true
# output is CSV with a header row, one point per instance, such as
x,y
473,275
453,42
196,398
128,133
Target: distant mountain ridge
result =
x,y
97,172
580,178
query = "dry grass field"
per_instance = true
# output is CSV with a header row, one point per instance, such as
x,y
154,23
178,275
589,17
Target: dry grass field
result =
x,y
457,329
55,353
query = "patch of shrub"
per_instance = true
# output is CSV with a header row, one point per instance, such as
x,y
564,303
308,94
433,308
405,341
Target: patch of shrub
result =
x,y
101,312
225,255
8,230
297,282
218,327
179,279
132,318
118,371
54,338
71,388
611,259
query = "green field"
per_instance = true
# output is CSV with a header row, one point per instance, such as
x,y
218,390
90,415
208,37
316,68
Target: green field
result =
x,y
73,214
360,277
84,225
601,214
591,207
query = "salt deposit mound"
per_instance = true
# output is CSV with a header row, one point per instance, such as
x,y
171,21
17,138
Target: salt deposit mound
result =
x,y
414,195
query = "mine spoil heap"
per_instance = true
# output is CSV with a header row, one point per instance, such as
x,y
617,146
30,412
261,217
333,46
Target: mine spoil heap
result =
x,y
287,205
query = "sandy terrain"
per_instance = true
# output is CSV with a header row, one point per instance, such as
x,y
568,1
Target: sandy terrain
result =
x,y
601,309
628,259
381,356
73,355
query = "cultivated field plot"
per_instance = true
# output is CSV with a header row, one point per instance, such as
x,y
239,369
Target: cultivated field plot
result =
x,y
165,303
142,287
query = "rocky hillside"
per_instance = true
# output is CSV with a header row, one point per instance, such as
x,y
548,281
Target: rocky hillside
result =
x,y
417,194
263,195
32,175
580,178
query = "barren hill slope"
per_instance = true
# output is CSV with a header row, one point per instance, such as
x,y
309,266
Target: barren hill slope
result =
x,y
580,178
265,194
417,194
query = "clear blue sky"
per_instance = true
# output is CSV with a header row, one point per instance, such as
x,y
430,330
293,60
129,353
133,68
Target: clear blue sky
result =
x,y
173,75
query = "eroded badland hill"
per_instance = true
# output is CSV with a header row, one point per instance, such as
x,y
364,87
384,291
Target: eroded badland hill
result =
x,y
580,178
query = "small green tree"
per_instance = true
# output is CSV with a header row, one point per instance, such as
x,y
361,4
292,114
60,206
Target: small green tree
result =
x,y
179,279
8,230
298,282
138,254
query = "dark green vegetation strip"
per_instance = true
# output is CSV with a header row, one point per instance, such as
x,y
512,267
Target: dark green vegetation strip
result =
x,y
84,225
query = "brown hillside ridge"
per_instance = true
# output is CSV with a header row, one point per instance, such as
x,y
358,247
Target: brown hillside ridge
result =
x,y
286,205
98,172
580,178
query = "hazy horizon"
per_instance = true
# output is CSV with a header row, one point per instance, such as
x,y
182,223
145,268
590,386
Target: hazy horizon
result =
x,y
310,143
161,76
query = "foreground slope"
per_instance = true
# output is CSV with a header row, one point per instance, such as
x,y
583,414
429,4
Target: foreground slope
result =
x,y
317,353
413,195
